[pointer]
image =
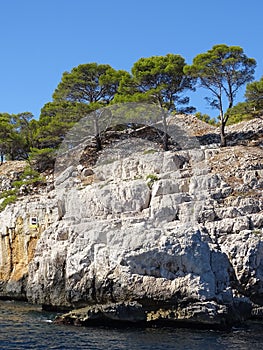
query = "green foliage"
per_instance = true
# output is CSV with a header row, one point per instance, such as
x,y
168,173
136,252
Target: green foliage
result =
x,y
15,135
157,79
254,96
252,107
9,197
150,151
206,118
5,134
85,89
89,83
42,159
8,193
243,111
28,177
222,71
8,200
151,178
29,173
56,119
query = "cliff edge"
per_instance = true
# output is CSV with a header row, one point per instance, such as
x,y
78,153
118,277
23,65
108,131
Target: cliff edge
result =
x,y
154,236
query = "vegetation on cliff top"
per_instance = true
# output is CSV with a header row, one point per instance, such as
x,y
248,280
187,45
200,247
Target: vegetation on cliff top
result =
x,y
160,80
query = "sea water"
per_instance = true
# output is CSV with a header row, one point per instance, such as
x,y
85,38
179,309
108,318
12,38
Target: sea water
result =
x,y
25,326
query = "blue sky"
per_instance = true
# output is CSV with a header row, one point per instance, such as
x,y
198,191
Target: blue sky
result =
x,y
40,39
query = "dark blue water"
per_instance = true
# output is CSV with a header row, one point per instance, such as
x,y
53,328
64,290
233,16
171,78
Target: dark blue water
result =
x,y
23,326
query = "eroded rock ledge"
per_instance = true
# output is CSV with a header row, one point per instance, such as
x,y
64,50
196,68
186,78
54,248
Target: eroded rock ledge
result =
x,y
207,314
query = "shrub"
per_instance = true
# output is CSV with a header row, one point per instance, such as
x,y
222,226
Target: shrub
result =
x,y
243,111
28,177
206,118
8,193
8,200
42,159
151,178
150,151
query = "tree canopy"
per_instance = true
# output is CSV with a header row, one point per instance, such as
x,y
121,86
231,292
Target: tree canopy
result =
x,y
253,105
222,71
15,135
89,83
56,119
86,88
157,79
161,81
254,95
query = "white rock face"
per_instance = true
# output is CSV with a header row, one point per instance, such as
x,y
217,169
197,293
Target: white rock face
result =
x,y
123,261
159,229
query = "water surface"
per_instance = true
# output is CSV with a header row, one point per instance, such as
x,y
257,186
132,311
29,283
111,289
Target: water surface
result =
x,y
25,326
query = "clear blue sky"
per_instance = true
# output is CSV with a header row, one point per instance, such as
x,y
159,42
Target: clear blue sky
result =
x,y
40,39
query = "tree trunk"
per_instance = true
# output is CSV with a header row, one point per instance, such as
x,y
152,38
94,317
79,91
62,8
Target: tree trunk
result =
x,y
165,142
222,124
222,135
165,135
98,143
97,134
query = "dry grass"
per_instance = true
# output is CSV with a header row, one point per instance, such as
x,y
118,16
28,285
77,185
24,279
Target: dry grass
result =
x,y
12,166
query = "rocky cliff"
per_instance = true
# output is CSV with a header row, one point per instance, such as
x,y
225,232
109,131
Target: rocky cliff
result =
x,y
155,236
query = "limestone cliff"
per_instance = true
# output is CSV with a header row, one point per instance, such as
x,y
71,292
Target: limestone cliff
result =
x,y
175,236
19,236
